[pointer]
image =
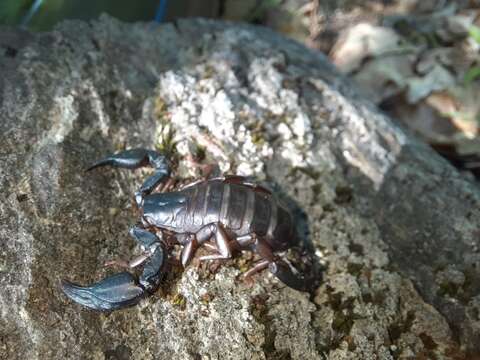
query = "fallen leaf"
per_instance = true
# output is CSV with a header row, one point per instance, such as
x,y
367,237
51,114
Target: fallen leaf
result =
x,y
437,79
428,59
383,77
362,41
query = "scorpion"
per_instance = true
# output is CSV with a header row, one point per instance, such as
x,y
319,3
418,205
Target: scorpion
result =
x,y
226,215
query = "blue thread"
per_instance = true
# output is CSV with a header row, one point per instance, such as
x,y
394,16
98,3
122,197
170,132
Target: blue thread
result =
x,y
161,10
29,15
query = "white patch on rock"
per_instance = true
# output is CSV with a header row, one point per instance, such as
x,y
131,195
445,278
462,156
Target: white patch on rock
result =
x,y
64,113
302,127
97,106
369,144
14,296
202,115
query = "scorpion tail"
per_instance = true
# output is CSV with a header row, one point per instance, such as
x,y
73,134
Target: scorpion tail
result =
x,y
114,292
284,273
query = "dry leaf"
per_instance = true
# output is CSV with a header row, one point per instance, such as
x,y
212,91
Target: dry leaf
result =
x,y
437,79
384,77
362,41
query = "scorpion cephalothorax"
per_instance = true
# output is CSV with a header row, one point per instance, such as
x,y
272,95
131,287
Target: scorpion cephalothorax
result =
x,y
225,214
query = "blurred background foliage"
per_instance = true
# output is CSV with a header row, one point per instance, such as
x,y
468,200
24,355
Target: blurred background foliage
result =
x,y
46,13
41,15
418,60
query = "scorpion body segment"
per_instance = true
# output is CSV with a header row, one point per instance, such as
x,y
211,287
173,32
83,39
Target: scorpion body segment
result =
x,y
240,209
227,215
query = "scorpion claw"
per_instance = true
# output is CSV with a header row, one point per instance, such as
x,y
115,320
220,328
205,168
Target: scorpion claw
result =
x,y
135,158
129,159
114,292
123,289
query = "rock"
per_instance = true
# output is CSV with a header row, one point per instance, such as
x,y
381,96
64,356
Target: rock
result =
x,y
394,226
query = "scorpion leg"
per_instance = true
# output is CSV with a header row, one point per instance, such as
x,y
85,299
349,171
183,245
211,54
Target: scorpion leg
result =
x,y
241,180
223,246
189,249
222,242
135,158
259,266
123,289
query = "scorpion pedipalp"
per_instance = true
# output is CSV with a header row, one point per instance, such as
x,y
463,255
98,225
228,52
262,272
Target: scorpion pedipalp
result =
x,y
135,158
123,289
114,292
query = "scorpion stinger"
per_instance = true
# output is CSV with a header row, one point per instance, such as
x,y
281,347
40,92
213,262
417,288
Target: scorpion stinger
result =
x,y
135,158
284,273
124,289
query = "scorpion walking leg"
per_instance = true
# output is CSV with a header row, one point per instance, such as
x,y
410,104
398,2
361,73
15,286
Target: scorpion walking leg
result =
x,y
241,180
123,289
259,266
188,251
222,242
135,158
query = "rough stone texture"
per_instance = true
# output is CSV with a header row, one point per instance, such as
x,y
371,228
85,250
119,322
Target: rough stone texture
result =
x,y
395,227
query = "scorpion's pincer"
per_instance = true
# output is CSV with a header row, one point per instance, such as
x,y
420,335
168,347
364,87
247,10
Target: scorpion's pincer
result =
x,y
123,289
114,292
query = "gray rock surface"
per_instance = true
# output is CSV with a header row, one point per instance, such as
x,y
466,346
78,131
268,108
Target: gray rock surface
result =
x,y
395,227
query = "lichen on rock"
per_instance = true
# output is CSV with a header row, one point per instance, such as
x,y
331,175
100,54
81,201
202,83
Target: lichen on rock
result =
x,y
397,282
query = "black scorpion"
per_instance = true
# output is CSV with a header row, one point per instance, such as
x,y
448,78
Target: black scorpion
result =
x,y
226,215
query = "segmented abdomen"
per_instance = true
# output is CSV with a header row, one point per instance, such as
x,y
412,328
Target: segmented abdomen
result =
x,y
241,209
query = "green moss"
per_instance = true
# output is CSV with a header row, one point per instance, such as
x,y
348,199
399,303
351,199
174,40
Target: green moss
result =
x,y
376,298
205,299
354,269
469,286
343,194
462,292
342,322
258,139
179,301
351,343
200,153
379,298
209,71
167,144
317,189
344,316
278,355
259,310
257,131
355,248
328,208
428,341
448,288
395,330
309,171
160,111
